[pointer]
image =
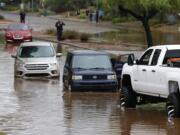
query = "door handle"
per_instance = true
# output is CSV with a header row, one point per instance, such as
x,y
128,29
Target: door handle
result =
x,y
153,70
144,70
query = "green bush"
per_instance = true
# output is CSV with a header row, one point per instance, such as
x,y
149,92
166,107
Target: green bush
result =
x,y
2,40
1,133
50,32
106,18
118,19
82,16
45,12
11,8
84,37
121,19
70,34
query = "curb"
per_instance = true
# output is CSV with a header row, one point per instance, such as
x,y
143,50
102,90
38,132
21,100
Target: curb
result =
x,y
63,43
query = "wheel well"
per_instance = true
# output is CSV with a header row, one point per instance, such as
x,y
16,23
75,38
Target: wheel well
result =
x,y
173,87
126,80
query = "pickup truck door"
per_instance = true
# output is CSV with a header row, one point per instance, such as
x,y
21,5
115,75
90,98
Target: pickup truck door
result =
x,y
140,72
155,76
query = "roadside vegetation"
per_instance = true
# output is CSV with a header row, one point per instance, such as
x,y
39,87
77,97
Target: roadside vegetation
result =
x,y
2,41
149,12
70,35
1,133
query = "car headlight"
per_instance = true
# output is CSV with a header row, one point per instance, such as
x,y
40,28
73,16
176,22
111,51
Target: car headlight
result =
x,y
111,77
77,77
53,64
20,64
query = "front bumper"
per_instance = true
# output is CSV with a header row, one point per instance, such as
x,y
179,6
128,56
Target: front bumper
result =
x,y
26,39
94,85
50,72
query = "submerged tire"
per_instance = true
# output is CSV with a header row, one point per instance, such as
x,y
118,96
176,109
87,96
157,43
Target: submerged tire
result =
x,y
128,97
173,105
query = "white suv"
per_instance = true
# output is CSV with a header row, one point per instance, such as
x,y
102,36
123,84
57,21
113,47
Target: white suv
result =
x,y
36,59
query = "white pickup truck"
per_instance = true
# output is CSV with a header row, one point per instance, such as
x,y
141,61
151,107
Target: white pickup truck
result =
x,y
154,77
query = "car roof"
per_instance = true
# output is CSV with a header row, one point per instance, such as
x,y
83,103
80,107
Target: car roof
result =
x,y
169,47
36,43
86,52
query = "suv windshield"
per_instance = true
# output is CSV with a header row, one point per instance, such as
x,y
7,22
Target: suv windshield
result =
x,y
91,62
36,51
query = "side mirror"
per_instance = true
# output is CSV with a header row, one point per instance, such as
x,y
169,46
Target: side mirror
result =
x,y
14,56
131,59
58,54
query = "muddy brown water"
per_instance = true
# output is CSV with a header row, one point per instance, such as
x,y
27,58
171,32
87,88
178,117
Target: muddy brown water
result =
x,y
138,37
40,107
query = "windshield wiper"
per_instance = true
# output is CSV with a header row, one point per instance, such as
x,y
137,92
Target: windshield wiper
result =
x,y
79,68
98,68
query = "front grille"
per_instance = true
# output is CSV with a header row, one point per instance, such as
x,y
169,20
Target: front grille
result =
x,y
98,83
94,77
37,66
37,75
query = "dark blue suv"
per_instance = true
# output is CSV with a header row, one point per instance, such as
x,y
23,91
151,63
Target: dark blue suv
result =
x,y
89,70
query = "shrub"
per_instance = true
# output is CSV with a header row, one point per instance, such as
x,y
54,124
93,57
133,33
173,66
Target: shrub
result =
x,y
106,18
50,32
45,12
82,16
84,37
2,40
11,8
70,34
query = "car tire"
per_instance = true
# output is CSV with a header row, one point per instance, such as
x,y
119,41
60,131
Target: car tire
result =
x,y
173,105
127,97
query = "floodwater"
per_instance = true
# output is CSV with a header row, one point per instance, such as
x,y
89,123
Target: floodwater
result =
x,y
40,107
138,37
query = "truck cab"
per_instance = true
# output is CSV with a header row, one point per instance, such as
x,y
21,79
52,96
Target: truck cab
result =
x,y
151,76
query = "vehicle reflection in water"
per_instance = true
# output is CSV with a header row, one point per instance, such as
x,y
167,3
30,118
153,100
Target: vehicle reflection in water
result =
x,y
98,113
11,48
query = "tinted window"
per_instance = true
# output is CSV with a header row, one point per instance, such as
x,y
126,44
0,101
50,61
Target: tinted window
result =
x,y
36,51
18,27
171,54
155,57
145,58
91,61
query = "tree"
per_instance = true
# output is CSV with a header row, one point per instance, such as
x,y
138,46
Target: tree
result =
x,y
144,10
66,5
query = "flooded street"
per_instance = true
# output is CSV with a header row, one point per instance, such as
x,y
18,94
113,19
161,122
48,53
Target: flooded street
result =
x,y
41,107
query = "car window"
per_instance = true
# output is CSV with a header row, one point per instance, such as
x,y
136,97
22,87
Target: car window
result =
x,y
171,54
144,60
18,27
155,57
91,61
68,59
36,51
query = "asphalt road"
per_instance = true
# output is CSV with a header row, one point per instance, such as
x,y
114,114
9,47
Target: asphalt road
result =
x,y
41,23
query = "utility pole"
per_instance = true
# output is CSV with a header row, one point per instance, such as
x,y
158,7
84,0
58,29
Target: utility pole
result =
x,y
97,3
32,5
